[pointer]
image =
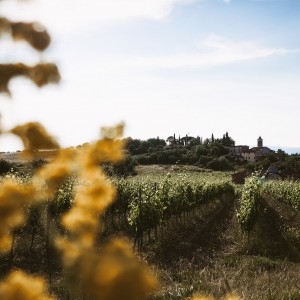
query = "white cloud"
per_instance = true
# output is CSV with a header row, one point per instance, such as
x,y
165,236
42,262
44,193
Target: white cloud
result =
x,y
213,51
227,1
66,14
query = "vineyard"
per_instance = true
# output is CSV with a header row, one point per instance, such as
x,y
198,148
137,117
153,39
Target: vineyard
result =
x,y
151,203
98,220
180,223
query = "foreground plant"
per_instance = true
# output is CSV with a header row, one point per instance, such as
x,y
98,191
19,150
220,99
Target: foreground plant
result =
x,y
109,273
19,285
112,272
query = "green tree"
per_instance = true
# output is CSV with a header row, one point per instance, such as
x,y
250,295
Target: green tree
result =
x,y
220,164
156,142
133,145
171,140
282,155
194,142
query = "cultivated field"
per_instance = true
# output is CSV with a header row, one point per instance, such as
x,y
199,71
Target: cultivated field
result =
x,y
198,232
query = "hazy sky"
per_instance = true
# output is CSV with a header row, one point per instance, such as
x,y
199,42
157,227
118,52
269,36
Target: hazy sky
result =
x,y
163,67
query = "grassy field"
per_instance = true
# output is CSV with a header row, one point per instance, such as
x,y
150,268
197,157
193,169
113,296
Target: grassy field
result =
x,y
22,156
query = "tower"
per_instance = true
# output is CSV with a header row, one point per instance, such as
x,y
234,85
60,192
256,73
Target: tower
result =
x,y
259,142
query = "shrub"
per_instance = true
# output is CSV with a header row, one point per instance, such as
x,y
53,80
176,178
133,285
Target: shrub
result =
x,y
121,169
6,166
38,163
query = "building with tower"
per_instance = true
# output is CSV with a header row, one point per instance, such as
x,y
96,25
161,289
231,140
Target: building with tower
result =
x,y
260,142
260,150
251,154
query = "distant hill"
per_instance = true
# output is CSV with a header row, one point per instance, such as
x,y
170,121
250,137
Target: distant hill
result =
x,y
288,150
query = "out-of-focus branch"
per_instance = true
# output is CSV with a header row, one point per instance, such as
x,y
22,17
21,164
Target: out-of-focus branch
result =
x,y
40,74
34,33
35,137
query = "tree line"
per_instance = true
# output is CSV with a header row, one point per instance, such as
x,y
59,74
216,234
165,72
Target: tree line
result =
x,y
210,153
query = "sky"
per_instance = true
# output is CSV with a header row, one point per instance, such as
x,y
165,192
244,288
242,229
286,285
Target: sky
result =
x,y
192,67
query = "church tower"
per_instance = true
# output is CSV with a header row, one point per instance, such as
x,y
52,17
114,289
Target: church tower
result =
x,y
259,142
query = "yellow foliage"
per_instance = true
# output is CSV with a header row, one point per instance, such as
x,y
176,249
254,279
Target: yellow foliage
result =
x,y
91,199
57,171
21,286
112,132
95,197
106,150
13,197
89,203
35,137
83,224
41,74
44,73
34,33
115,274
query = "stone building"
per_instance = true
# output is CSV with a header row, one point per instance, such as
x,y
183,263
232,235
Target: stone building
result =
x,y
251,154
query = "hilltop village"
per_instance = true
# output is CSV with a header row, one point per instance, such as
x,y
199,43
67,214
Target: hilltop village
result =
x,y
212,147
218,154
251,154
